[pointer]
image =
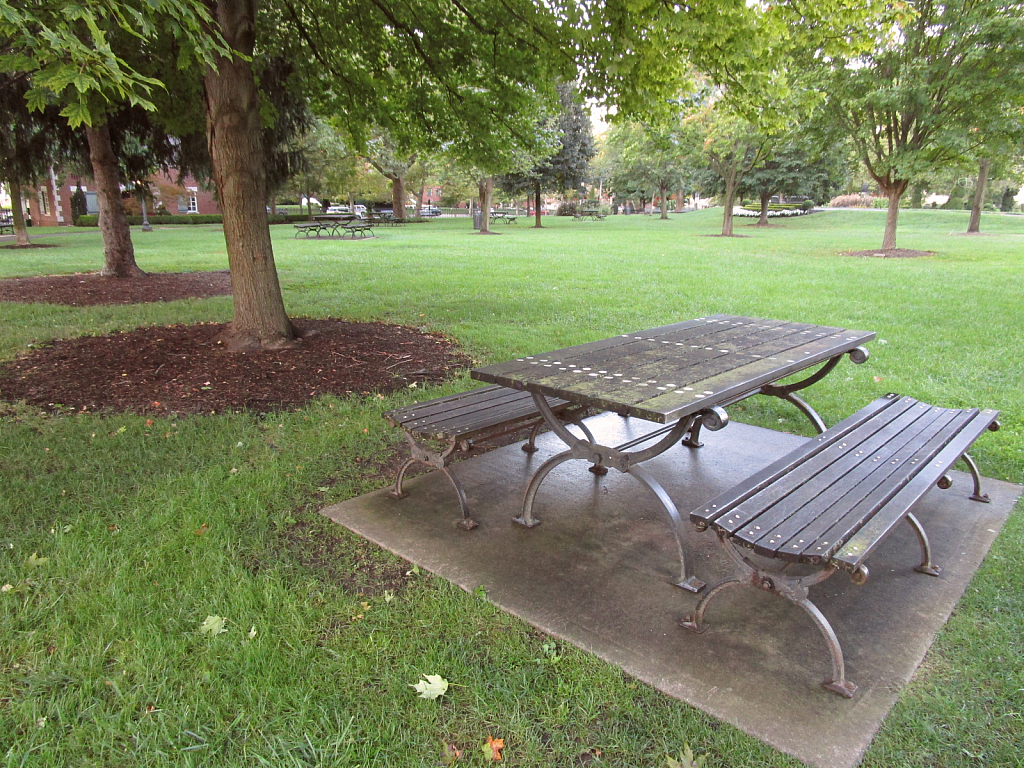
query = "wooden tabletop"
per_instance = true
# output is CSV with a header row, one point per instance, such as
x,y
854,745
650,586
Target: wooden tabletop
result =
x,y
666,373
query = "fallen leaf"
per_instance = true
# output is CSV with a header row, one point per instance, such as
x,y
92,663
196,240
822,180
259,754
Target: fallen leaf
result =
x,y
6,588
492,748
449,754
252,632
213,625
877,378
202,529
35,560
431,687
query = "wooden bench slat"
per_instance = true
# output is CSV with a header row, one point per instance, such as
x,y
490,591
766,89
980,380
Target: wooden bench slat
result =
x,y
476,421
833,478
873,485
475,398
804,472
861,544
723,503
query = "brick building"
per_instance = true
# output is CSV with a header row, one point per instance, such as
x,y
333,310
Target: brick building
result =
x,y
49,203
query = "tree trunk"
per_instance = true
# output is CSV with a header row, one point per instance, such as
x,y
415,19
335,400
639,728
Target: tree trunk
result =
x,y
664,201
118,251
234,133
894,193
766,198
352,202
730,197
419,198
974,226
486,190
536,205
917,196
18,213
398,196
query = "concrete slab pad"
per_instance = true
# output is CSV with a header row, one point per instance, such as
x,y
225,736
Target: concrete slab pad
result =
x,y
596,573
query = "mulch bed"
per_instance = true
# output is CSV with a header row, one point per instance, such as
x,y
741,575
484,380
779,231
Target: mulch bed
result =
x,y
183,369
91,289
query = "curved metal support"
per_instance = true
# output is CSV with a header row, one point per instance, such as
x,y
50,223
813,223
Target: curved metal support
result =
x,y
531,445
838,682
553,421
806,410
398,493
785,392
794,589
690,583
527,518
695,621
977,495
926,565
466,522
671,438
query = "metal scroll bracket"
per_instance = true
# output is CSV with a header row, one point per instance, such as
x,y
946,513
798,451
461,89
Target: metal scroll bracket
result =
x,y
785,392
792,588
618,458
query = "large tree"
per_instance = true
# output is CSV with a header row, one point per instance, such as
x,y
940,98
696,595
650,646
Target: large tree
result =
x,y
563,165
933,73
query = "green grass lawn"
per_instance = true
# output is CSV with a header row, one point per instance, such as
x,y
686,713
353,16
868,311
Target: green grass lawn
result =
x,y
121,536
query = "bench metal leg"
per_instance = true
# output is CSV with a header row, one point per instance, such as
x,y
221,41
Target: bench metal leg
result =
x,y
792,588
690,583
422,454
977,495
926,565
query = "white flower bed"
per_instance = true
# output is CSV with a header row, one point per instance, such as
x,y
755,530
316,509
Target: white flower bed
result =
x,y
739,211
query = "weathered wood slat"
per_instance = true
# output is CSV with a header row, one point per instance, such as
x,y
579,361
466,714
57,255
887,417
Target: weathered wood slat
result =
x,y
861,543
721,505
468,414
892,468
474,398
804,475
828,483
834,498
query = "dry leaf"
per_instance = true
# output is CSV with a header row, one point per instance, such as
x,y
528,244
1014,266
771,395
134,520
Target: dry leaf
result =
x,y
492,748
213,625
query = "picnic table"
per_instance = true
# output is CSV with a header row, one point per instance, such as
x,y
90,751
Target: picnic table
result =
x,y
334,225
682,376
592,214
508,217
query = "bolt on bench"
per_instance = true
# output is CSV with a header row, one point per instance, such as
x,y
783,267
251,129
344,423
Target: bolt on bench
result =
x,y
829,503
457,420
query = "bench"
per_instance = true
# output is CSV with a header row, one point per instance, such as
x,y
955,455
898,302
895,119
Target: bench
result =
x,y
455,421
356,227
506,216
6,226
829,503
307,228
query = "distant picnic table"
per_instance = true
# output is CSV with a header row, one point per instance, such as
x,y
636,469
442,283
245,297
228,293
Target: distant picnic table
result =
x,y
509,217
331,225
589,213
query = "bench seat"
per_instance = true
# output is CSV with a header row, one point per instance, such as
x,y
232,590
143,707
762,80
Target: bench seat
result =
x,y
455,421
829,503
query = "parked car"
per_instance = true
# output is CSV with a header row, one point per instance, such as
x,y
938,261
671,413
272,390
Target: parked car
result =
x,y
430,210
337,209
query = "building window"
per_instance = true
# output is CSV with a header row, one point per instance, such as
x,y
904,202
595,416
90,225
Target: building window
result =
x,y
44,202
193,200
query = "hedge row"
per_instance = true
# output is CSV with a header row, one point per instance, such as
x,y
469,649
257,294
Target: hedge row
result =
x,y
190,219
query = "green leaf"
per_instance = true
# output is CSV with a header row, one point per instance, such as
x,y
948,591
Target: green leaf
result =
x,y
431,687
35,561
213,626
77,113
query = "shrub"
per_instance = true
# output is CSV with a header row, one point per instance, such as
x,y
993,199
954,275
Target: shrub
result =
x,y
851,201
212,218
807,205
